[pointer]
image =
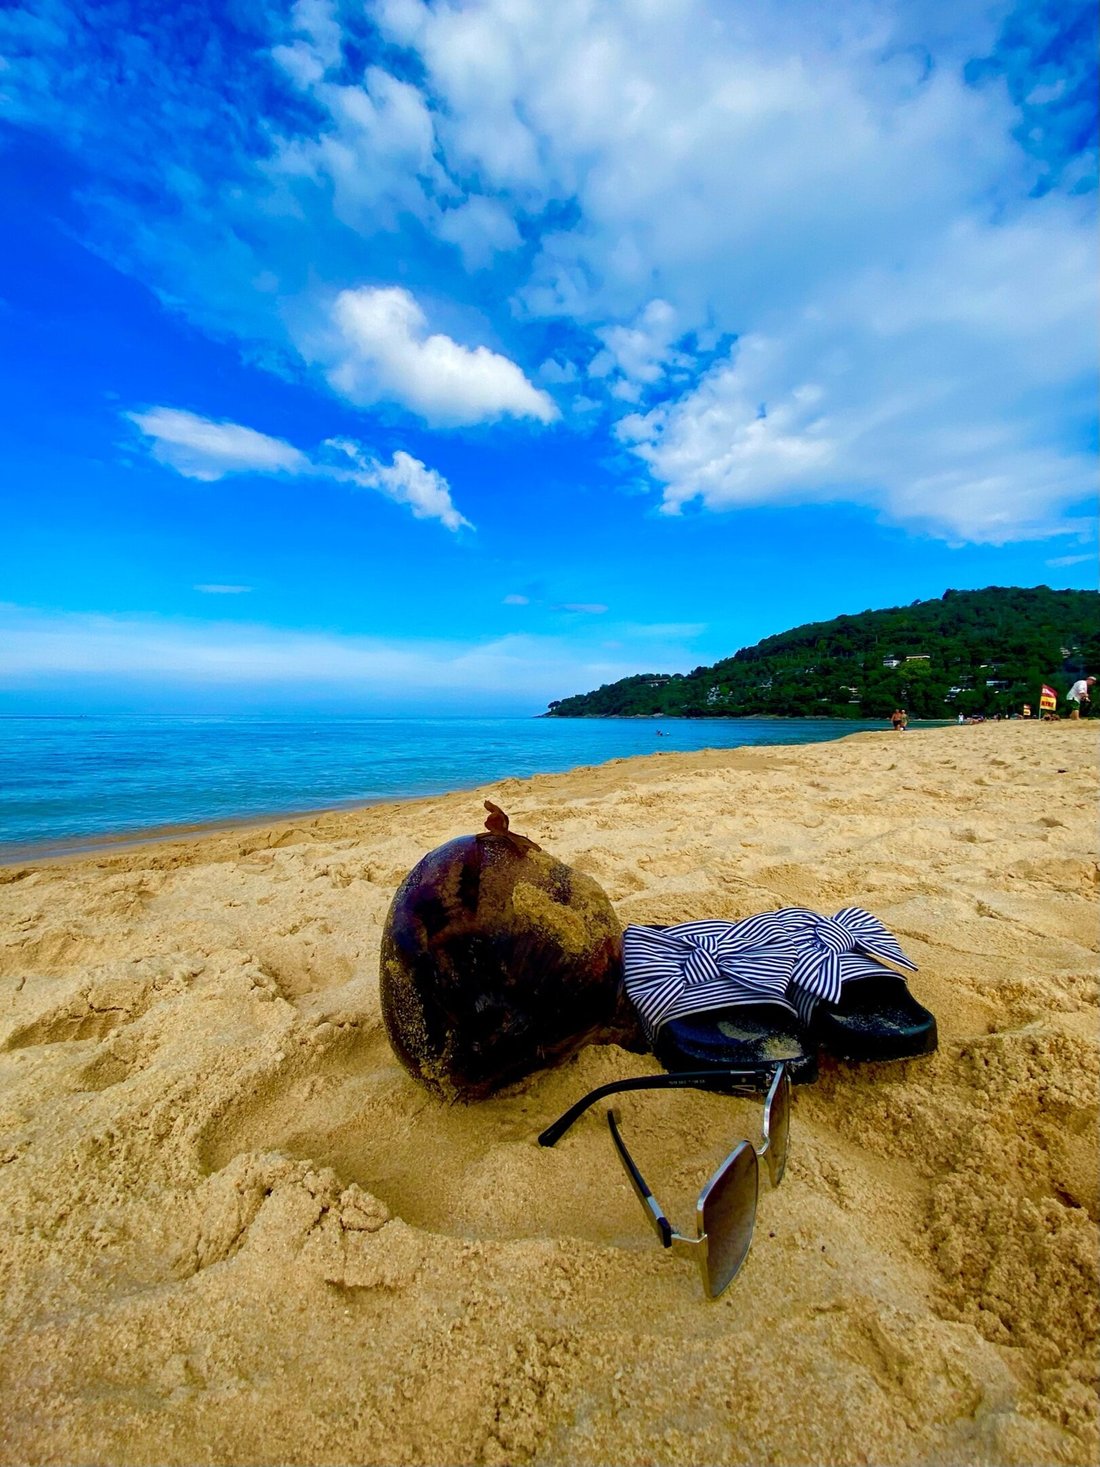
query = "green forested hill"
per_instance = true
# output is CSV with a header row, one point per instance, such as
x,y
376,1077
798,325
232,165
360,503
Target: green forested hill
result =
x,y
970,652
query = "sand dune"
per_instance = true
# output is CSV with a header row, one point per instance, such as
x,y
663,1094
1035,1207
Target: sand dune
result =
x,y
237,1232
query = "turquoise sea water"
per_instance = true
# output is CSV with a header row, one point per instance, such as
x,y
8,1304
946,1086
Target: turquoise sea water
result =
x,y
68,780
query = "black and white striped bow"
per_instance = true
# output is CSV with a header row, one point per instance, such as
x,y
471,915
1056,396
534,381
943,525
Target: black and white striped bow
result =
x,y
672,972
830,950
793,957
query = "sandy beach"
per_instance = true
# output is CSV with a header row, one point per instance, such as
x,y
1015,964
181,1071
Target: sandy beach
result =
x,y
236,1231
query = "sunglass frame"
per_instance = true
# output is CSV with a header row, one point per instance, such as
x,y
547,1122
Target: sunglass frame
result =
x,y
699,1247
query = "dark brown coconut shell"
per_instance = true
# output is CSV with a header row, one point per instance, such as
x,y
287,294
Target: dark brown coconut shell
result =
x,y
497,960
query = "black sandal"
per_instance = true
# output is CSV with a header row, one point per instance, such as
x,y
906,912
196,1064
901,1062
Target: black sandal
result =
x,y
749,1036
875,1018
852,1004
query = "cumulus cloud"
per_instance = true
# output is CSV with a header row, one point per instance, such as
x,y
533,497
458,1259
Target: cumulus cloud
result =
x,y
376,155
481,228
643,350
199,448
559,373
929,398
735,175
319,43
386,351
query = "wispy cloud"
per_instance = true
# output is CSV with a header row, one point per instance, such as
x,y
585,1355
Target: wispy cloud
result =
x,y
663,631
587,608
406,481
216,590
200,448
1060,561
37,649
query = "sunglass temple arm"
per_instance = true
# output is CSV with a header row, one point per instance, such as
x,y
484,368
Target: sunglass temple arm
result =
x,y
638,1182
748,1081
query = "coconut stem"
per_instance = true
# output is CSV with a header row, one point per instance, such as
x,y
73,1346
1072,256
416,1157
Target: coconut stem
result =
x,y
496,823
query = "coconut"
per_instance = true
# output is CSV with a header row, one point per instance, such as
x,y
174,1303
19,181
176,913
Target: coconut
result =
x,y
498,959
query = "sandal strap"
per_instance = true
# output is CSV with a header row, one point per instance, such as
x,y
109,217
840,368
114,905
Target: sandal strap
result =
x,y
696,967
832,950
792,957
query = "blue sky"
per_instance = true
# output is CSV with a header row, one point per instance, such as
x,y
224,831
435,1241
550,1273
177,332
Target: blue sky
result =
x,y
399,357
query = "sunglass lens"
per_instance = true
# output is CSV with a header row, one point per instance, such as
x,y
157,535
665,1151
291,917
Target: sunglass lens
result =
x,y
779,1129
729,1212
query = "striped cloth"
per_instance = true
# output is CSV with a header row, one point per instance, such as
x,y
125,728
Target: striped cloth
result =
x,y
672,972
793,957
831,950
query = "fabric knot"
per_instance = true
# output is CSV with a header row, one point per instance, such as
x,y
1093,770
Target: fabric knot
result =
x,y
829,949
831,934
672,972
701,959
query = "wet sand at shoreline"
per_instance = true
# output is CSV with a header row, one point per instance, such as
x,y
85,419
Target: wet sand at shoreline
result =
x,y
238,1232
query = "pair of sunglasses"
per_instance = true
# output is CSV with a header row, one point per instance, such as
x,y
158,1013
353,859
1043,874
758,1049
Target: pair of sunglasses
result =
x,y
725,1213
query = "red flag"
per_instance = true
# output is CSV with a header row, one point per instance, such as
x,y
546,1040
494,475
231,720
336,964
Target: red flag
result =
x,y
1048,700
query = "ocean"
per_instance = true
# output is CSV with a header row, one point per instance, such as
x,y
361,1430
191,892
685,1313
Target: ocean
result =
x,y
68,781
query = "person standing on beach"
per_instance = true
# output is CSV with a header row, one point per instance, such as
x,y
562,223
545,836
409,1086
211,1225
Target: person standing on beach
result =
x,y
899,718
1079,694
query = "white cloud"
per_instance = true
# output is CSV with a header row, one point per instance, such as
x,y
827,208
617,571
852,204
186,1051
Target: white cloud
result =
x,y
737,172
424,490
643,350
316,22
515,600
376,155
928,397
1061,561
721,443
823,179
481,228
216,590
589,608
558,373
386,352
406,481
200,448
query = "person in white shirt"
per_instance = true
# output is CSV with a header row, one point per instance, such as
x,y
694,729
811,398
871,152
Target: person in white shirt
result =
x,y
1079,694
